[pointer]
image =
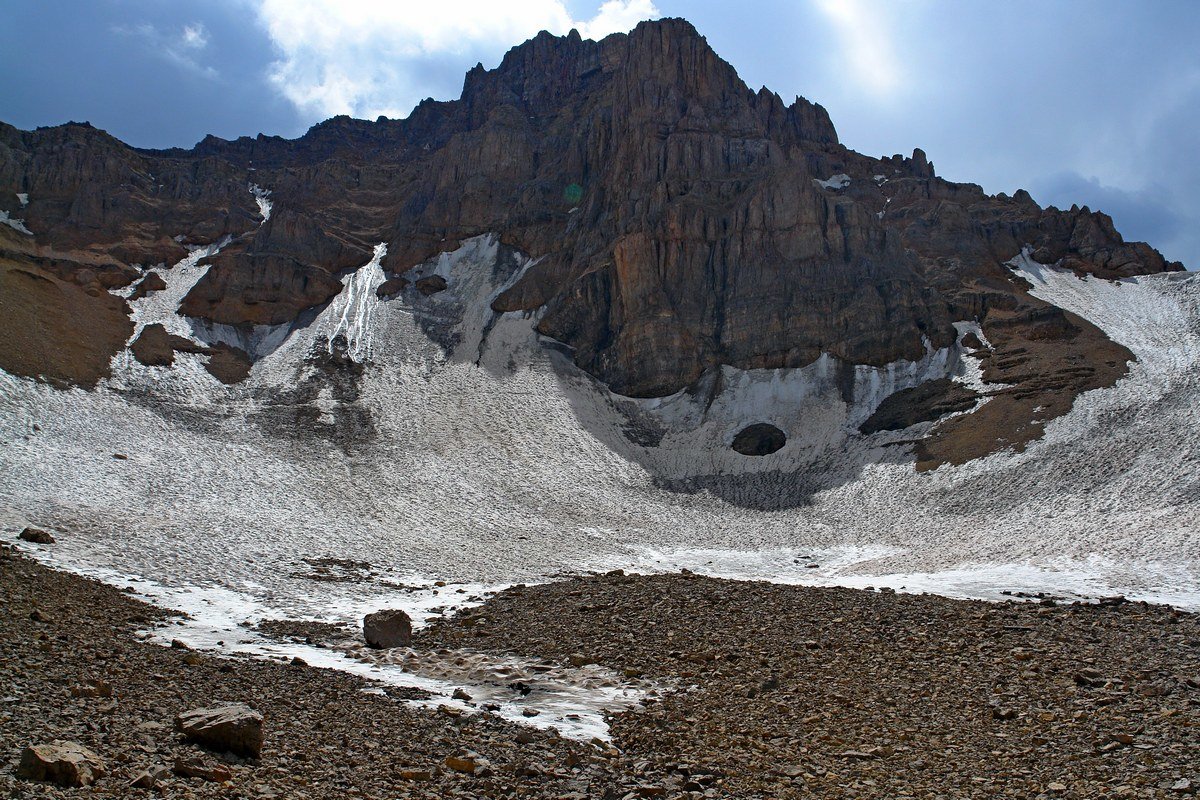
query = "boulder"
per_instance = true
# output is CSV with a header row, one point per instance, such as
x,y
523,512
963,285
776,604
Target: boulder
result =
x,y
152,282
388,628
36,535
391,287
60,762
234,728
431,285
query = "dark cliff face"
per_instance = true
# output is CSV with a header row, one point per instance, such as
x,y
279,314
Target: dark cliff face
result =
x,y
682,221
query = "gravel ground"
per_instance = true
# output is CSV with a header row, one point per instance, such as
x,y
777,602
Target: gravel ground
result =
x,y
781,691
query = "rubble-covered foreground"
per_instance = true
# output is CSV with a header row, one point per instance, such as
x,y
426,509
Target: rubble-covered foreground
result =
x,y
779,691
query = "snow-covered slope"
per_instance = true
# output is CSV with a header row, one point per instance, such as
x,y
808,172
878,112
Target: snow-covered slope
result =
x,y
434,439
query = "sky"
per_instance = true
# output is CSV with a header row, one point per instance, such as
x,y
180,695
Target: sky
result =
x,y
1095,102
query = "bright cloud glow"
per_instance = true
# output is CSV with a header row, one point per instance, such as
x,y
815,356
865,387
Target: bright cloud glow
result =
x,y
365,57
194,37
181,49
865,43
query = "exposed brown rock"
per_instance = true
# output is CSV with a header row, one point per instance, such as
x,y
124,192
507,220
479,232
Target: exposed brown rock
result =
x,y
391,287
924,403
154,347
233,728
228,364
60,762
388,628
55,330
1047,357
431,285
152,282
203,768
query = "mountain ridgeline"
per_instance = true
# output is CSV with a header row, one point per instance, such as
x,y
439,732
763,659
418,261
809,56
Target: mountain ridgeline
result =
x,y
680,222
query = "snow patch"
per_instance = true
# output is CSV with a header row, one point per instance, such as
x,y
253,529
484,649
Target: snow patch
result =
x,y
263,198
839,181
23,199
355,304
16,224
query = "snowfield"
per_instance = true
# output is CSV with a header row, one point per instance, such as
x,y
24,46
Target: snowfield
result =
x,y
429,438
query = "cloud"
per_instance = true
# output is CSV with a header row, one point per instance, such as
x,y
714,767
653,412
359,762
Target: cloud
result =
x,y
367,57
194,37
864,42
181,48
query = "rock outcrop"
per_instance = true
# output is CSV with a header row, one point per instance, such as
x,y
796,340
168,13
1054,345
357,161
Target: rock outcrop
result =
x,y
681,220
64,763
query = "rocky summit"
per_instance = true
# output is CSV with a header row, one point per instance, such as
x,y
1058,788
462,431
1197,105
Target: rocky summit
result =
x,y
677,221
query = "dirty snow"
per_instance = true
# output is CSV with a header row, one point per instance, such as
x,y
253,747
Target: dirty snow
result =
x,y
839,181
263,198
16,224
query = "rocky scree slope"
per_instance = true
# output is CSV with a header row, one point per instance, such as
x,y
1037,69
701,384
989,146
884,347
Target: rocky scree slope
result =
x,y
680,220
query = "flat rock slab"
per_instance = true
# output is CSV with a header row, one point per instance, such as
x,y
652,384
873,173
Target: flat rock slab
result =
x,y
234,728
203,769
63,763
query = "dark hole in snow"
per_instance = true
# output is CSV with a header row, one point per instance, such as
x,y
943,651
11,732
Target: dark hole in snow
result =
x,y
759,439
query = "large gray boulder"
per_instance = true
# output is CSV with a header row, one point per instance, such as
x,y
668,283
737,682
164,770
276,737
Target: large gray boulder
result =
x,y
388,628
63,763
234,728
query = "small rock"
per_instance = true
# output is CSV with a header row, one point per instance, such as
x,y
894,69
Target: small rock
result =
x,y
1183,785
388,628
178,645
416,774
1056,788
234,728
462,764
92,688
150,777
62,763
120,456
36,536
461,694
202,768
